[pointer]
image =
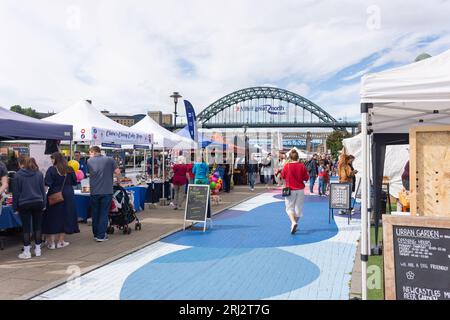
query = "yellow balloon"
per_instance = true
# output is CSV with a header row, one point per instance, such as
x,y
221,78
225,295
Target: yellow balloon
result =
x,y
74,164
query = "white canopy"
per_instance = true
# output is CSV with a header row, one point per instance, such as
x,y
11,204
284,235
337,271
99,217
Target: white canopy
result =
x,y
394,163
90,125
163,137
415,94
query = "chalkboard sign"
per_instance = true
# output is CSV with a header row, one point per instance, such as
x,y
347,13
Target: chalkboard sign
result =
x,y
197,203
340,195
421,258
417,258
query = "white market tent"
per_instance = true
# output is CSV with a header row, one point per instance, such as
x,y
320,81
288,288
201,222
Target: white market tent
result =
x,y
394,163
91,126
415,94
392,101
163,138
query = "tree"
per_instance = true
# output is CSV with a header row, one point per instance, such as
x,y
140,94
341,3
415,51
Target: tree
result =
x,y
334,141
25,111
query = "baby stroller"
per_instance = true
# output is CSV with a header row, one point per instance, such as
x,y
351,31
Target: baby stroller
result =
x,y
122,212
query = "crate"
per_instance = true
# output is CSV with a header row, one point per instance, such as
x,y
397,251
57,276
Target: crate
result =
x,y
430,170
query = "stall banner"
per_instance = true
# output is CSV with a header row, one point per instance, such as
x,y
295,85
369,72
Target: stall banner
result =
x,y
116,136
191,118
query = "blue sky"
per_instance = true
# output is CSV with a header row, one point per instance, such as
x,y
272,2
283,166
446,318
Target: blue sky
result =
x,y
129,56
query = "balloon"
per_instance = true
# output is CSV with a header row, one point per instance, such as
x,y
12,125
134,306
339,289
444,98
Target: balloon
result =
x,y
219,181
80,175
74,165
213,185
218,186
214,179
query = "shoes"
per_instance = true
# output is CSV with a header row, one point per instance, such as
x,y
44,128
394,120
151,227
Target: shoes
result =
x,y
51,246
294,228
37,250
62,244
26,254
176,208
101,239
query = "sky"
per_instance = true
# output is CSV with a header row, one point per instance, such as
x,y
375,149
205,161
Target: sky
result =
x,y
129,56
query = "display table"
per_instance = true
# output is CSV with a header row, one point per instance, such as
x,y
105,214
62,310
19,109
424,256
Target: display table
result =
x,y
8,219
82,200
154,191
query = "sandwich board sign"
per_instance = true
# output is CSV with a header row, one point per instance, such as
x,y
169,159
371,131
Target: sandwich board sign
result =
x,y
340,198
198,207
416,257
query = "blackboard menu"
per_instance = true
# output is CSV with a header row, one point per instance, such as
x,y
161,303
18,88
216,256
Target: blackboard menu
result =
x,y
197,202
422,259
340,195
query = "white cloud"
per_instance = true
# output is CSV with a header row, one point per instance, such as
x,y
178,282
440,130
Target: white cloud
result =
x,y
130,55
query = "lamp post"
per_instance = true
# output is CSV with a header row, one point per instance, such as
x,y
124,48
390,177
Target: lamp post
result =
x,y
175,96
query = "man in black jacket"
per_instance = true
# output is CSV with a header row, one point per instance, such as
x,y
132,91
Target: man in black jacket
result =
x,y
313,171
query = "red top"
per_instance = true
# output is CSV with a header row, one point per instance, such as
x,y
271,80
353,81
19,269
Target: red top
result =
x,y
179,174
295,173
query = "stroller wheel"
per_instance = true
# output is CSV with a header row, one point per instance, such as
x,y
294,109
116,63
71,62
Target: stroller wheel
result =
x,y
129,230
137,226
111,230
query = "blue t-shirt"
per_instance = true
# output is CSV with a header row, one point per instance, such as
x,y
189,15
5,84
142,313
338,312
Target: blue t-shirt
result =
x,y
200,170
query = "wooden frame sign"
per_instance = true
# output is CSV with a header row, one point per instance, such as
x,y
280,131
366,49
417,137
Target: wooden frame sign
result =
x,y
416,258
197,204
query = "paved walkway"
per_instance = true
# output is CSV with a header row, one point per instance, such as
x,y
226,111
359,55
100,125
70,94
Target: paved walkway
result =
x,y
24,279
248,254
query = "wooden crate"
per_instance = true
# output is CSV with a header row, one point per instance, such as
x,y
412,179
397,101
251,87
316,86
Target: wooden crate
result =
x,y
430,170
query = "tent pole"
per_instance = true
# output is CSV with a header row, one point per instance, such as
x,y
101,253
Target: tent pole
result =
x,y
163,174
369,197
71,152
364,188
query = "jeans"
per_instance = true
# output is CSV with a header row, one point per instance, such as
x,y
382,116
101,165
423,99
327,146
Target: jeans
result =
x,y
312,180
100,204
268,179
252,179
31,216
322,187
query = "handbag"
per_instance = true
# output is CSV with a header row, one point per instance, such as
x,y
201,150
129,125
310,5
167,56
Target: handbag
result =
x,y
286,192
57,197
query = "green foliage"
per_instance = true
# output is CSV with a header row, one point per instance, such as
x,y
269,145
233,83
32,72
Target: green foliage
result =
x,y
334,141
25,111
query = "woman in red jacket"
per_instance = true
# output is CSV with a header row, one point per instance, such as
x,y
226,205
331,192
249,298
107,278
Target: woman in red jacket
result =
x,y
295,174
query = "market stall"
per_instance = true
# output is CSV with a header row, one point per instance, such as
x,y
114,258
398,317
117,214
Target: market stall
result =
x,y
392,102
15,126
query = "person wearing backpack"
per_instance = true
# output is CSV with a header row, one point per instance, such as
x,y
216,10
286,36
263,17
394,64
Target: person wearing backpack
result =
x,y
313,171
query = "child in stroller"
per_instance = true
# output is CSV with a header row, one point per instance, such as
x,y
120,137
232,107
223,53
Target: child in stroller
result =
x,y
122,212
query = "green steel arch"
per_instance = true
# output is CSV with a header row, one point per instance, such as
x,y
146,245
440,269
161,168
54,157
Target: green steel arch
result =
x,y
264,92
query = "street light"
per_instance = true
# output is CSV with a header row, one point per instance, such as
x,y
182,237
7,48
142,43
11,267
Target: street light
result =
x,y
175,96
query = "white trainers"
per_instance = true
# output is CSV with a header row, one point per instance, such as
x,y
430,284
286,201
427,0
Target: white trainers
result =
x,y
37,250
51,246
62,244
26,254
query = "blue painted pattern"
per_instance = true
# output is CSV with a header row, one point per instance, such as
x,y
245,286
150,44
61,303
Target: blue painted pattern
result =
x,y
239,258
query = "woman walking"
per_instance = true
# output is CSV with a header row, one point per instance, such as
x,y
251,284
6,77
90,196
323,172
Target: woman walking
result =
x,y
179,180
294,174
61,217
29,201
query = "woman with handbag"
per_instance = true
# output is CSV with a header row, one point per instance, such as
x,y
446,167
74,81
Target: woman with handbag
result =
x,y
294,174
60,216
